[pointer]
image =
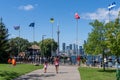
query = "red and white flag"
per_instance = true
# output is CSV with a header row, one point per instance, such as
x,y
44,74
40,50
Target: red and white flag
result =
x,y
77,16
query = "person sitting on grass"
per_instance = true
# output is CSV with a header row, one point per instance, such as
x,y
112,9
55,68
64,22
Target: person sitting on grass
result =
x,y
13,62
9,61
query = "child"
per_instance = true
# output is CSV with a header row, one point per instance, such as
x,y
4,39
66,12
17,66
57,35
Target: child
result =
x,y
45,66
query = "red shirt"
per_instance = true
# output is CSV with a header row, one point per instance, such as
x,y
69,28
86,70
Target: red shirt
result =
x,y
78,58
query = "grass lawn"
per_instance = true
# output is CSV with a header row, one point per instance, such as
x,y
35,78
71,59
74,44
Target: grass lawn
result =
x,y
9,72
87,73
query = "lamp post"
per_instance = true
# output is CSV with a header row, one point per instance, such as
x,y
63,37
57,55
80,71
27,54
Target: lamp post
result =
x,y
43,45
52,21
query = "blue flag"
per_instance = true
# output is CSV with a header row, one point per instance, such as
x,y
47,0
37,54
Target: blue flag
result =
x,y
16,27
111,6
32,24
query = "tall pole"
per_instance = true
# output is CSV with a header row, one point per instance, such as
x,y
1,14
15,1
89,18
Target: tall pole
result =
x,y
77,17
58,32
17,28
19,42
43,45
33,25
52,21
34,44
52,40
77,37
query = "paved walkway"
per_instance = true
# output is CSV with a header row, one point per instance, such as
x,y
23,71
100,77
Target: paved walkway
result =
x,y
65,73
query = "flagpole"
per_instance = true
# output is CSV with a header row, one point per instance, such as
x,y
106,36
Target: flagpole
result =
x,y
33,25
33,42
52,39
19,32
77,17
77,37
19,42
52,21
17,28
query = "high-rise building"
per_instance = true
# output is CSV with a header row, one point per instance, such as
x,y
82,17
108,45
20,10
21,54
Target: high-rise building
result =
x,y
74,50
63,47
70,45
81,50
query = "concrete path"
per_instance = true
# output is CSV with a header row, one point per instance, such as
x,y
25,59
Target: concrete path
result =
x,y
65,73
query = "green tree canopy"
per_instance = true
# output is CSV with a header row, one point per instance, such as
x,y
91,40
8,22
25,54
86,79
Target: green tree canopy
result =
x,y
4,47
47,45
18,45
95,40
113,37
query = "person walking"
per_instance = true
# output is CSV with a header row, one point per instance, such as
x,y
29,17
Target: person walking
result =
x,y
56,62
45,66
78,60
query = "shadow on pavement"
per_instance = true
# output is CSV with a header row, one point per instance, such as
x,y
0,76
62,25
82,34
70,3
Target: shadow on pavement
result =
x,y
62,72
42,75
35,77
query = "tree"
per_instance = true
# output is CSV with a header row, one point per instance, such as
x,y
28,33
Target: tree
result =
x,y
34,43
4,47
104,38
18,45
46,46
113,37
96,43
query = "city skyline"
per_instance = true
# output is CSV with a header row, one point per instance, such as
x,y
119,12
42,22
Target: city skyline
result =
x,y
22,13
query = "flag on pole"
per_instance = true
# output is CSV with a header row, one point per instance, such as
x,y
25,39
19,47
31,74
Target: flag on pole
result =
x,y
16,27
77,16
111,6
52,20
32,24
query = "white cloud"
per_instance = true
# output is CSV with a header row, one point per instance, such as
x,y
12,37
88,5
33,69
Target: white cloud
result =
x,y
26,7
101,14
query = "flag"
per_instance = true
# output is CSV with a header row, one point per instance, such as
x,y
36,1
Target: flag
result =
x,y
16,27
32,24
52,20
111,6
77,16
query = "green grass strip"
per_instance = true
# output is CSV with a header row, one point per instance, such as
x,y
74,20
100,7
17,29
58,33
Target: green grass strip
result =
x,y
87,73
9,72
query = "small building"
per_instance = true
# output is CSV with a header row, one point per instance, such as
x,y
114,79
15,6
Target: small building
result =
x,y
34,50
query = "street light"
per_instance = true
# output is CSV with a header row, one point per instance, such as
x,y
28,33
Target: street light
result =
x,y
42,44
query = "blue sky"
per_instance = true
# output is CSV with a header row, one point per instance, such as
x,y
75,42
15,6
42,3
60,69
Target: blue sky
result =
x,y
23,12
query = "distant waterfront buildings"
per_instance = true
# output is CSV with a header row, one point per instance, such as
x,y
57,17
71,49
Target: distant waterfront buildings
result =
x,y
63,47
72,49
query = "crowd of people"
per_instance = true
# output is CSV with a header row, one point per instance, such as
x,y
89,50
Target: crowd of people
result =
x,y
46,61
